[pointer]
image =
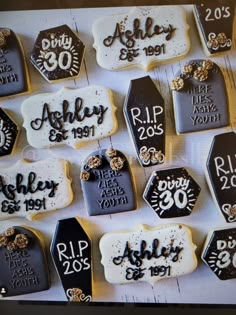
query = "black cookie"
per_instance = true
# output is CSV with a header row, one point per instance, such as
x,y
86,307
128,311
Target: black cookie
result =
x,y
221,173
23,263
71,253
219,253
145,117
215,25
199,97
13,72
107,183
8,133
171,193
58,53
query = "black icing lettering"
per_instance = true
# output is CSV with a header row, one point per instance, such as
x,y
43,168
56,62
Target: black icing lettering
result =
x,y
31,186
136,257
129,37
56,119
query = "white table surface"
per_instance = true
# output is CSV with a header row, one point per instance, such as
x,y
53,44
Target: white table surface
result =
x,y
190,151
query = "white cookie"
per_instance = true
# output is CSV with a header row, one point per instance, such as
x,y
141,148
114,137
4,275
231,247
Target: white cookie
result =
x,y
148,254
69,116
27,189
142,37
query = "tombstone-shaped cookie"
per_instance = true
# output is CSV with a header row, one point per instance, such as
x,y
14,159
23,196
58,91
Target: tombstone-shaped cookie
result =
x,y
148,254
58,53
145,117
141,37
171,193
8,133
215,25
13,69
107,183
71,253
221,174
199,97
219,253
69,116
30,188
23,262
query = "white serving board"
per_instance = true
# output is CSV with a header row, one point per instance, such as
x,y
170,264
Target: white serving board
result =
x,y
202,286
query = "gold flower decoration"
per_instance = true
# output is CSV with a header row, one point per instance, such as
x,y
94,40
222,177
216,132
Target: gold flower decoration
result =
x,y
222,39
84,175
117,163
145,156
201,74
177,84
21,241
187,69
94,162
208,64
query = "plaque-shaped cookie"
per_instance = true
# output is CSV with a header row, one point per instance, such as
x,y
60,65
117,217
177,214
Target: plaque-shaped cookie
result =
x,y
23,262
13,69
107,183
71,253
30,188
8,133
215,25
219,253
58,53
171,192
199,97
221,174
144,112
69,116
148,254
142,37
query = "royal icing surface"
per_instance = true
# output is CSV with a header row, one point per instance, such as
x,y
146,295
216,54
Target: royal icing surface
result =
x,y
215,25
13,72
58,53
72,255
27,189
171,193
144,112
107,183
69,116
8,133
221,174
148,254
199,97
219,253
23,262
142,37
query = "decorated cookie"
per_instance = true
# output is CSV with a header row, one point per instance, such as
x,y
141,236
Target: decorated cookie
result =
x,y
71,253
142,37
199,97
13,70
171,193
215,26
219,253
23,262
8,133
148,254
107,183
27,189
69,116
145,117
58,53
221,174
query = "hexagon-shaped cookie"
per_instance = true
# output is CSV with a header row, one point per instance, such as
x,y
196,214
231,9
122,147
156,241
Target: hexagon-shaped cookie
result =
x,y
171,192
219,253
8,133
58,53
